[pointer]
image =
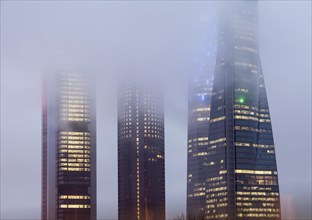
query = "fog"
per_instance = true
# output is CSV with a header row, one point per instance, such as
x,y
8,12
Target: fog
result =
x,y
106,39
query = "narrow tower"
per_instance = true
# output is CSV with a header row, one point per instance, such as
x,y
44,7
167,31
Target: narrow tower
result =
x,y
68,149
200,92
141,153
241,166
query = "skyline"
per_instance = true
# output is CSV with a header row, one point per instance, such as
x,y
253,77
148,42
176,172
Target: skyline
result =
x,y
14,82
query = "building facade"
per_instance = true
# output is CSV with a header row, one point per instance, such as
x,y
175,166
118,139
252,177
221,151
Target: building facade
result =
x,y
199,100
68,148
242,180
141,153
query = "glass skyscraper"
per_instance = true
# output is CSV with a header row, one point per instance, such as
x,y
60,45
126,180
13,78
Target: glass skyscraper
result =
x,y
241,171
68,148
200,92
141,153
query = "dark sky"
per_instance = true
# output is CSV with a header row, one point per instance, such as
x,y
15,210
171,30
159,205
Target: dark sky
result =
x,y
105,39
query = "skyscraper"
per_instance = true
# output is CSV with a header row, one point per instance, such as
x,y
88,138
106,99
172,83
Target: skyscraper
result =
x,y
242,181
200,92
141,153
68,149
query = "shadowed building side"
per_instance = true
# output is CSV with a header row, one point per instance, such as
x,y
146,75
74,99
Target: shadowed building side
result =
x,y
242,180
68,148
141,153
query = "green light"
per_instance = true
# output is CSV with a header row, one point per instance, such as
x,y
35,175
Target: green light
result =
x,y
241,100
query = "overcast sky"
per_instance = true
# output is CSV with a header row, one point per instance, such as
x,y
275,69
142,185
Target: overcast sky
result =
x,y
105,39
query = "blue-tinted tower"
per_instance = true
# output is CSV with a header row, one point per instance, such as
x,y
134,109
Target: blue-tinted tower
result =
x,y
200,91
242,180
